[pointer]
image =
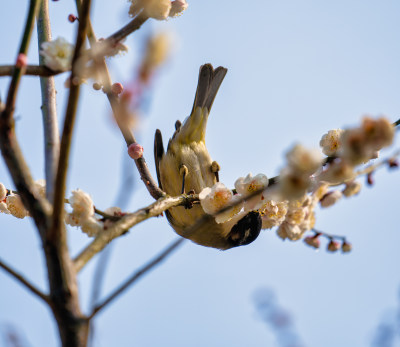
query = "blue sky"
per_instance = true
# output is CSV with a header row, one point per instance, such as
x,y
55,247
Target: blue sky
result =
x,y
296,69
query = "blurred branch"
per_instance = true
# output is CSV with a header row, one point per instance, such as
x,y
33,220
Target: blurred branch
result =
x,y
31,70
10,149
49,108
137,275
128,221
24,282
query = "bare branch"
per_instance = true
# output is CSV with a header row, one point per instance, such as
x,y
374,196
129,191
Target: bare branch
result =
x,y
31,70
126,222
128,29
10,149
69,122
141,164
24,282
49,109
137,275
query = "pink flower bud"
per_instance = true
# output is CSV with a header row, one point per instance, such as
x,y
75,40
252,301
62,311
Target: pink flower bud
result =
x,y
117,88
312,241
72,18
135,151
346,247
333,246
393,163
370,179
22,60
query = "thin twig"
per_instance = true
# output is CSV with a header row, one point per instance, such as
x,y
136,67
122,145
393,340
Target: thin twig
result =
x,y
23,281
329,236
69,122
128,29
31,70
126,222
141,164
371,168
137,275
49,108
116,107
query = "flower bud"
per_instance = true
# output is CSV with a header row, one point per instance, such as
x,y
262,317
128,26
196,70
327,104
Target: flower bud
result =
x,y
22,60
333,246
346,247
135,151
312,241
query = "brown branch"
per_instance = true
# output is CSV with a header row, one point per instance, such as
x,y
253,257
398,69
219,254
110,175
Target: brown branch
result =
x,y
72,324
126,222
137,275
24,282
10,149
31,70
49,108
141,164
116,107
128,29
69,122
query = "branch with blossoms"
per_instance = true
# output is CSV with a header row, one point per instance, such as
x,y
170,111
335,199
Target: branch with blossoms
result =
x,y
287,202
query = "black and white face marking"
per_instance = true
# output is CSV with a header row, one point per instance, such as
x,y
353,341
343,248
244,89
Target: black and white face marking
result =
x,y
246,230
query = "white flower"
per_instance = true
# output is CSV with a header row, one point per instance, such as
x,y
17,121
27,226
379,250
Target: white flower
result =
x,y
290,231
361,144
40,188
304,160
91,226
57,54
16,207
249,185
331,198
3,208
293,184
352,188
330,142
177,8
217,197
82,207
3,192
337,172
157,9
273,213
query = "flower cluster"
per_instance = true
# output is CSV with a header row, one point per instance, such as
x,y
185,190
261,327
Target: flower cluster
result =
x,y
11,203
219,197
83,213
306,181
333,245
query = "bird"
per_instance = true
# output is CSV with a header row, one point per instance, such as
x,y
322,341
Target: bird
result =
x,y
187,166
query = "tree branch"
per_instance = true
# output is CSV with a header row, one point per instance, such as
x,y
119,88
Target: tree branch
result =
x,y
126,222
49,108
31,70
116,107
137,275
10,149
24,282
69,122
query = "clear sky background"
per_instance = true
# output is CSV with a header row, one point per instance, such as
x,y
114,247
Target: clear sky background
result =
x,y
296,70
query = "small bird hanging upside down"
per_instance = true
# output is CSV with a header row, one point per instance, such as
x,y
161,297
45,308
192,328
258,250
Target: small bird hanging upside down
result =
x,y
188,167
